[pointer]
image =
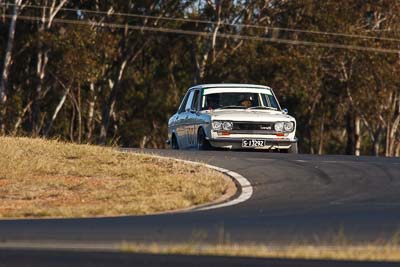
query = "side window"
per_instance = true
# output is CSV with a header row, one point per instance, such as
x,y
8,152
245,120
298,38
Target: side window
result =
x,y
266,100
183,104
195,102
189,101
272,101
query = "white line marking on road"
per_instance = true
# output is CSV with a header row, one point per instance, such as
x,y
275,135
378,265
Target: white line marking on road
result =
x,y
245,187
300,160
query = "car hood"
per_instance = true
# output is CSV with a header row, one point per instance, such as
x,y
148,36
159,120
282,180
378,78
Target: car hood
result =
x,y
249,115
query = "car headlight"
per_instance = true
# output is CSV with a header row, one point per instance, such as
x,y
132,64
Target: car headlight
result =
x,y
222,125
278,126
217,125
227,126
288,126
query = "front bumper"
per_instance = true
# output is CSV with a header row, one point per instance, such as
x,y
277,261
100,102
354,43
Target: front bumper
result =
x,y
236,143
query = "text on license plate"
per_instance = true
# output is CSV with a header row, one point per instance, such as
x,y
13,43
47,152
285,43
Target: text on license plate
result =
x,y
253,143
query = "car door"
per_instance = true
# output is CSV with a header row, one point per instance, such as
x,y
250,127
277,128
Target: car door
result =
x,y
184,123
193,119
179,122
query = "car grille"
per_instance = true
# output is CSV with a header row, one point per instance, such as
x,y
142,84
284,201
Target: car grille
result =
x,y
253,128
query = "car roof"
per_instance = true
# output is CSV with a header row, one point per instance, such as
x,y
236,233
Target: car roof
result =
x,y
228,85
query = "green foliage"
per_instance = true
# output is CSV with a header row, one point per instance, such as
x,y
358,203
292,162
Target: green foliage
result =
x,y
327,89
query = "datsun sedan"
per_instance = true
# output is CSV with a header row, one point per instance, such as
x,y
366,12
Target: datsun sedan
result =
x,y
232,116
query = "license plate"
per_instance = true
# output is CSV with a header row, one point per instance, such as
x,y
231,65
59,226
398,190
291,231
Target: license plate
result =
x,y
253,143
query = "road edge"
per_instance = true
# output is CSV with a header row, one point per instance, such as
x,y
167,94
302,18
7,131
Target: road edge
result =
x,y
244,187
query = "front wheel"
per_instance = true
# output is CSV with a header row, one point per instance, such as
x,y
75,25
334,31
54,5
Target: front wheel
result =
x,y
202,142
293,149
174,142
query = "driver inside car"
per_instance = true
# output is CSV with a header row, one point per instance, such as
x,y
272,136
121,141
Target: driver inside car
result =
x,y
247,101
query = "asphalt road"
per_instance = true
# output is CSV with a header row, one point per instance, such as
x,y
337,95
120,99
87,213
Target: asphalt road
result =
x,y
297,198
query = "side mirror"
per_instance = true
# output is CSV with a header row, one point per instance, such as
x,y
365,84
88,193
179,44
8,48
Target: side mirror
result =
x,y
285,111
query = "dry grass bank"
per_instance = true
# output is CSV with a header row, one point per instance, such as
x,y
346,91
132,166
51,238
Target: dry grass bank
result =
x,y
370,252
40,178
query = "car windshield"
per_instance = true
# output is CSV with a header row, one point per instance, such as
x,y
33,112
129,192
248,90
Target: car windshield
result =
x,y
239,100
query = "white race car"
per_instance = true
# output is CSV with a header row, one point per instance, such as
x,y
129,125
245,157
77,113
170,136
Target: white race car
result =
x,y
232,116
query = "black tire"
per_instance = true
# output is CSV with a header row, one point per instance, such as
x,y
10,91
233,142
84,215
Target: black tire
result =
x,y
174,142
202,142
293,149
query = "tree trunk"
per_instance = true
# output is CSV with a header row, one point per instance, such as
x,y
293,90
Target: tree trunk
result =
x,y
392,136
54,11
42,60
397,153
388,139
309,133
56,111
79,108
108,110
375,148
201,65
321,135
109,107
143,142
91,104
72,125
357,135
392,128
376,142
21,117
6,67
350,133
218,10
353,128
196,64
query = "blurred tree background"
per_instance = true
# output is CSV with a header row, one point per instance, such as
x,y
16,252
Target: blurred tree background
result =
x,y
113,72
